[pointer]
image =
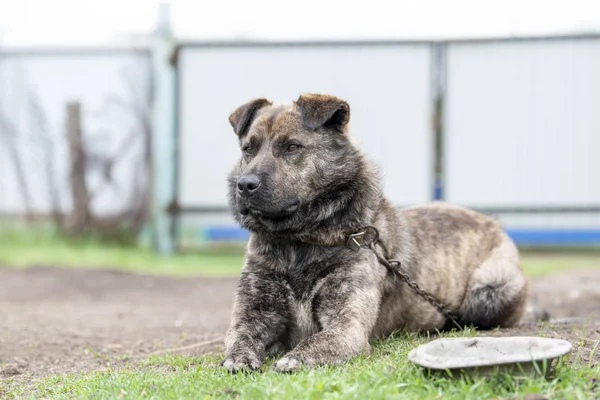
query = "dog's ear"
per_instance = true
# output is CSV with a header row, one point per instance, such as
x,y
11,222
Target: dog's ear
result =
x,y
322,110
242,117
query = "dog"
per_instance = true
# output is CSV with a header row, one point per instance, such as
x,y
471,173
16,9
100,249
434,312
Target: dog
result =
x,y
301,188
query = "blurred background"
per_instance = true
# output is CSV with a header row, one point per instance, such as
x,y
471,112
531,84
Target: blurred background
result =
x,y
114,139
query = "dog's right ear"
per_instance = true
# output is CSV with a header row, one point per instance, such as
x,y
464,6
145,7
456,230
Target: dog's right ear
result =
x,y
242,117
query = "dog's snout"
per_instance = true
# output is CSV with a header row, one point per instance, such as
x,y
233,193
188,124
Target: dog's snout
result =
x,y
247,184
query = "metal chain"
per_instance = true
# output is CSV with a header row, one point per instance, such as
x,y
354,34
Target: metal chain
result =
x,y
441,307
395,266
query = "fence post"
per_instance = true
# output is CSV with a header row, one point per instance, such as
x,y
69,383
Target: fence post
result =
x,y
438,97
77,168
163,133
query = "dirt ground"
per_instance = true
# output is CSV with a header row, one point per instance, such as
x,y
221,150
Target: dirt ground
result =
x,y
55,320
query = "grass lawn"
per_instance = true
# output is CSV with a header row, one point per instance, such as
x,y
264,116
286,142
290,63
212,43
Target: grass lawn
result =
x,y
23,249
20,248
386,373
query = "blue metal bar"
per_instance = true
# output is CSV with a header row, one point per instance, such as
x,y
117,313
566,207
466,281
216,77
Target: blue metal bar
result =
x,y
521,236
578,236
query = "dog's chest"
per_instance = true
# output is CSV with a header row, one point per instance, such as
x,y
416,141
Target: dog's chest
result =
x,y
305,325
306,273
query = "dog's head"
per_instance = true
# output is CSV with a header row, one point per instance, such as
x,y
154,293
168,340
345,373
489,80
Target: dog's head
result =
x,y
298,165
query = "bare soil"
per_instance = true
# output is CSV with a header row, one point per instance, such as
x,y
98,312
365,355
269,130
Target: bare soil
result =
x,y
55,320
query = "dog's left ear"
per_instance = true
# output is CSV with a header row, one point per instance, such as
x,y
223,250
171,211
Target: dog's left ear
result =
x,y
323,111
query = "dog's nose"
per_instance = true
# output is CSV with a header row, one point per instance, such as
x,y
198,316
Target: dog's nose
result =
x,y
248,184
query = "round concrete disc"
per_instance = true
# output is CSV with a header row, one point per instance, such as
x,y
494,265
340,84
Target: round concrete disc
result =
x,y
456,353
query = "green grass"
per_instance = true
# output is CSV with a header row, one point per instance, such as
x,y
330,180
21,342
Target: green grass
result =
x,y
20,248
538,264
385,374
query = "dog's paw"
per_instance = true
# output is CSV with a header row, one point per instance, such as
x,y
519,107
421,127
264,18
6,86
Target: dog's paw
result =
x,y
287,364
241,362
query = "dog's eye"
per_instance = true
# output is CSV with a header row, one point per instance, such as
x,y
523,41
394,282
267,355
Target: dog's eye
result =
x,y
247,150
292,148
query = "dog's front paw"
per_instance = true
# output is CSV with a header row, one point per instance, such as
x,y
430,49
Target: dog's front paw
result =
x,y
287,364
241,362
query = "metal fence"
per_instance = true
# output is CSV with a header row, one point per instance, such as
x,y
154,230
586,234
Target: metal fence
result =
x,y
508,127
387,85
522,133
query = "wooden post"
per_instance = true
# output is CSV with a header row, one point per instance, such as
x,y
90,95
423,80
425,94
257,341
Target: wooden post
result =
x,y
79,191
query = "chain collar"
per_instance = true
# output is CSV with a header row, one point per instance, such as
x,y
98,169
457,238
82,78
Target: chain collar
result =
x,y
367,237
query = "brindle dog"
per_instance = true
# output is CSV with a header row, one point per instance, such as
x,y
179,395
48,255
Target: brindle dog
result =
x,y
301,187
